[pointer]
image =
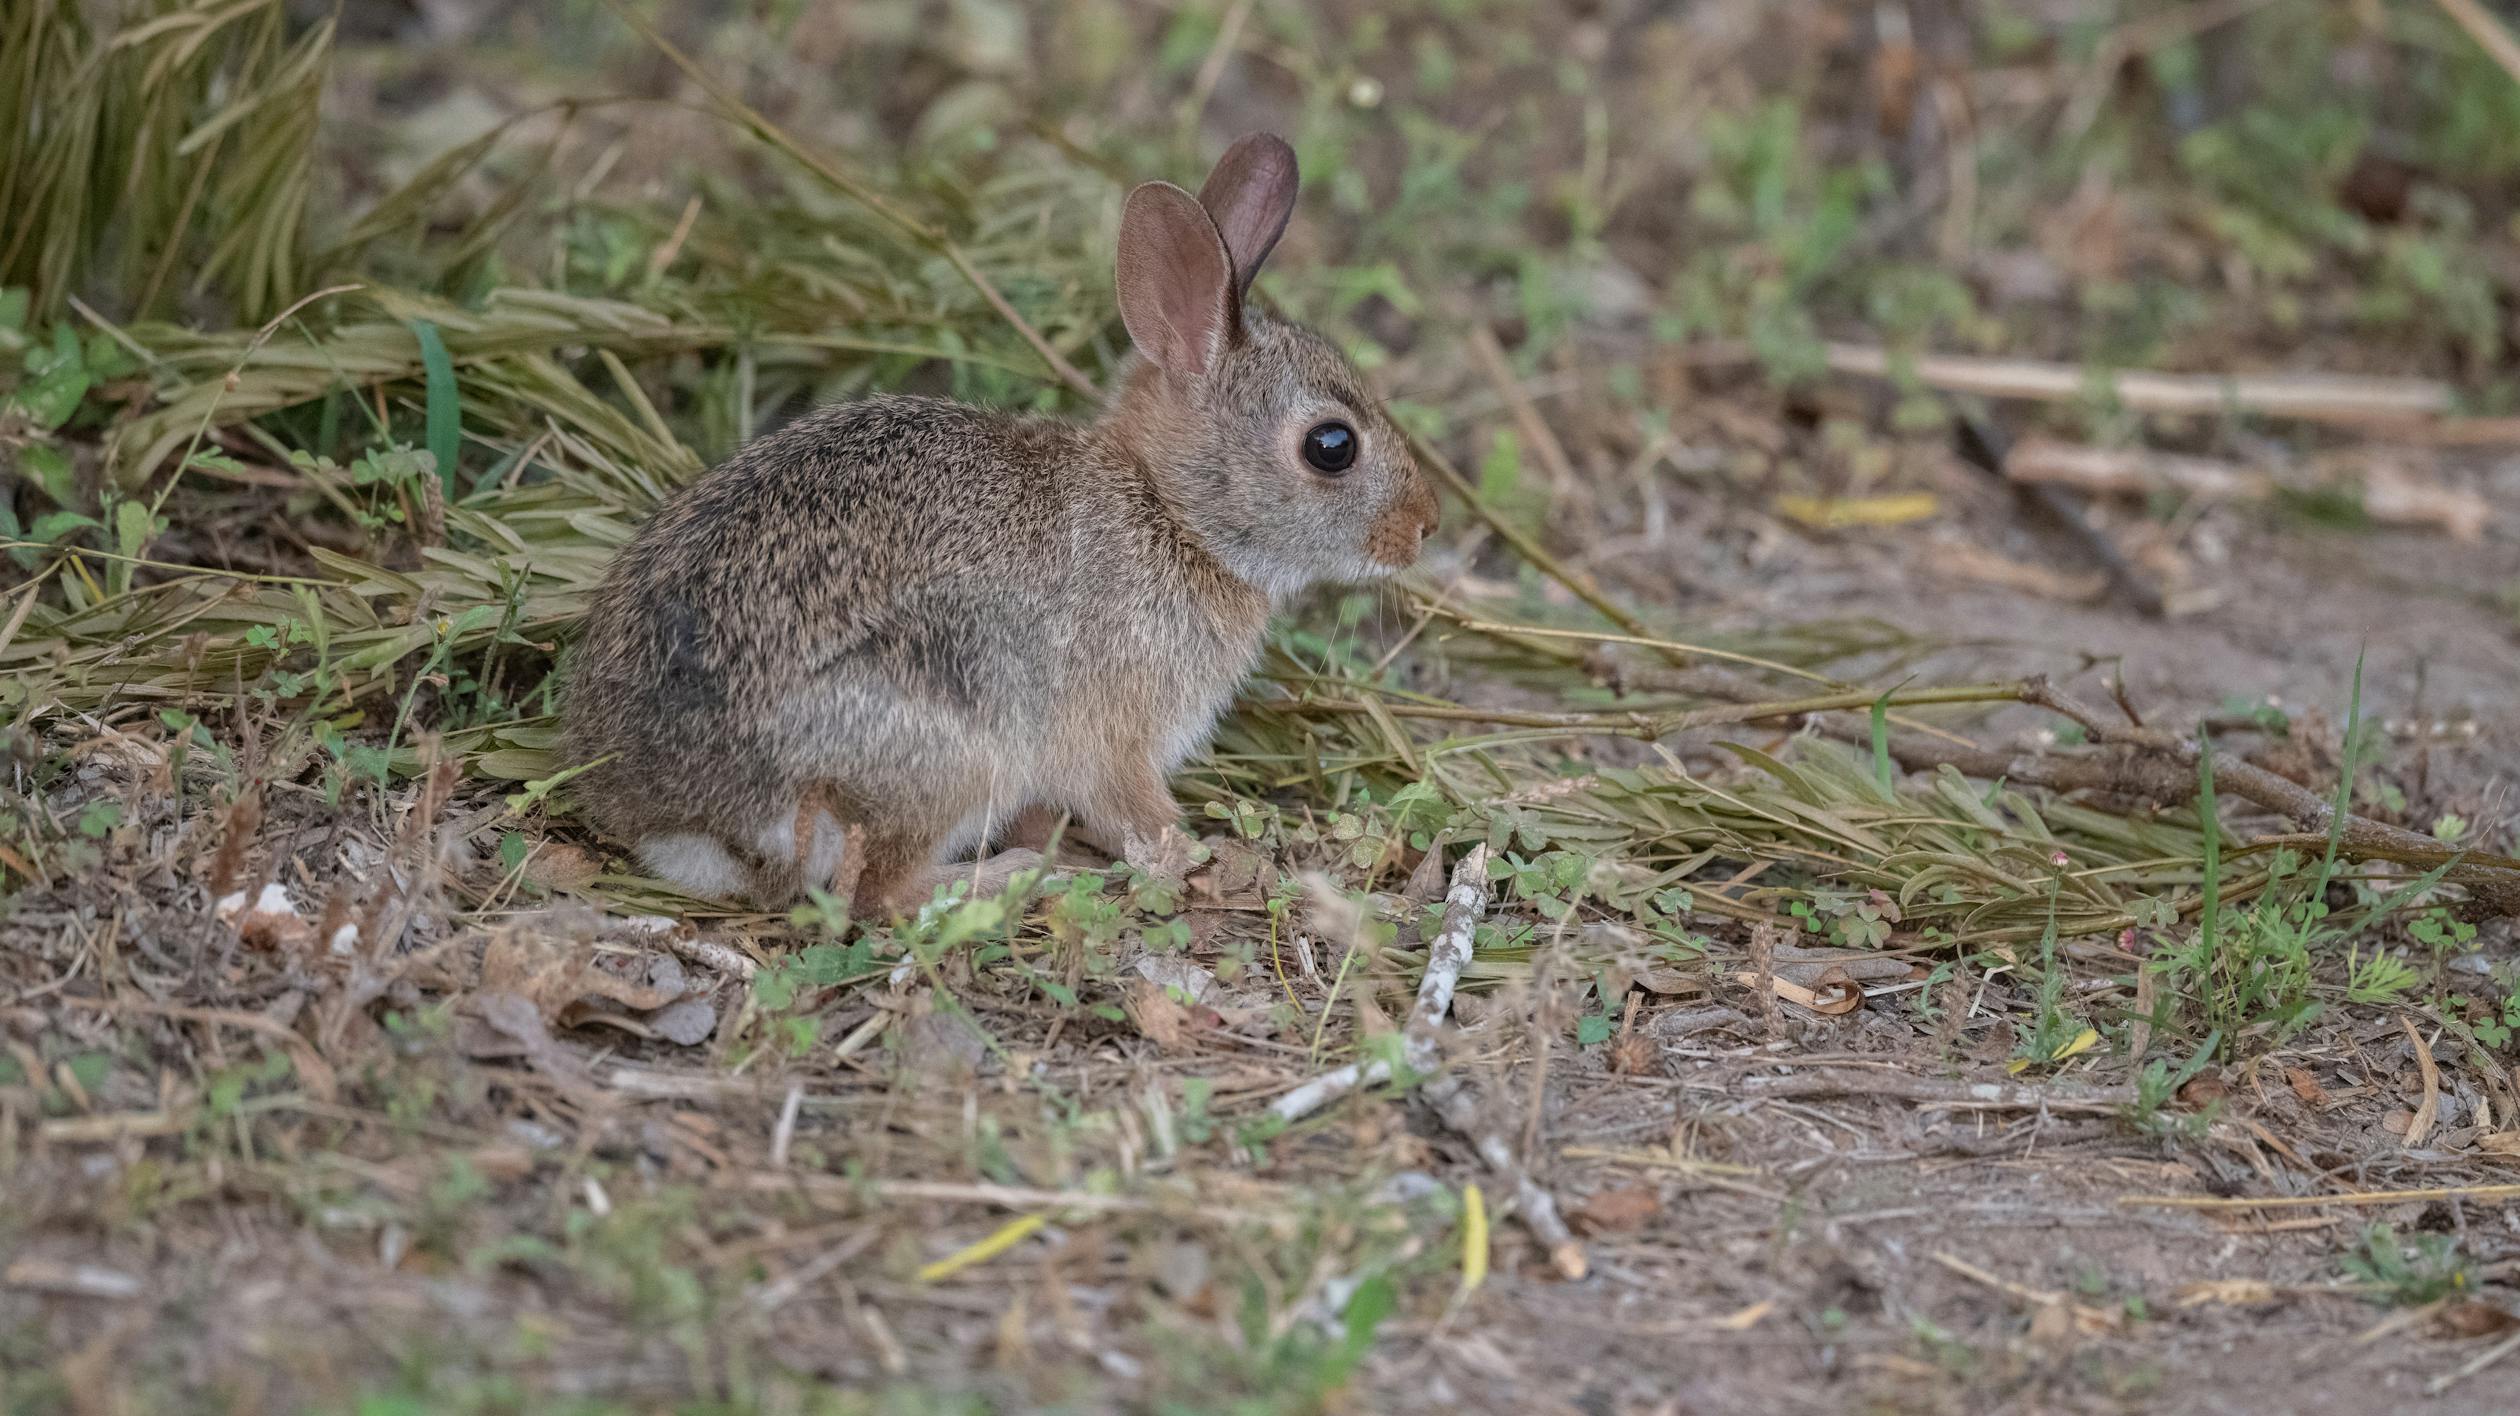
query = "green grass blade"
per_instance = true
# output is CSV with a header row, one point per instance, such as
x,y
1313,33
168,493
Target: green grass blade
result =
x,y
2209,914
445,405
2345,786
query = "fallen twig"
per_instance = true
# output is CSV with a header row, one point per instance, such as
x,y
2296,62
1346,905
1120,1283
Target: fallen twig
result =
x,y
1445,959
2061,1305
1938,1091
2473,1365
1982,446
2493,881
2385,492
2487,31
2474,1193
1453,1100
1449,1093
2314,398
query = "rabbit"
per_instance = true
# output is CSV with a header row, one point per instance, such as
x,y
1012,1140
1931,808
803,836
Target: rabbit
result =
x,y
875,638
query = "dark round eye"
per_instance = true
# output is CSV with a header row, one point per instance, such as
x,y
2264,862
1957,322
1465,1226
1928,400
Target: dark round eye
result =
x,y
1330,447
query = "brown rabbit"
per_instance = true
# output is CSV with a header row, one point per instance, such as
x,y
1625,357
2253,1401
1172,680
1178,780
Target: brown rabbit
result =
x,y
874,637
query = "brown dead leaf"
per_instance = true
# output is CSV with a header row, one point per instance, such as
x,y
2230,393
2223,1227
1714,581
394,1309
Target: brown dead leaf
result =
x,y
1664,981
2226,1292
1832,994
268,920
2504,1143
1235,870
2420,1125
1746,1318
520,1021
1426,882
2203,1091
1631,1054
600,982
2307,1088
2476,1319
1164,1022
557,865
554,972
1619,1209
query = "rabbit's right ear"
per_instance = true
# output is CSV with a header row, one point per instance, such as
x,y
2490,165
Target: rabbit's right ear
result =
x,y
1251,193
1177,291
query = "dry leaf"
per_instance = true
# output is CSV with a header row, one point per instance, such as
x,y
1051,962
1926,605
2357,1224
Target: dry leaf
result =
x,y
1632,1055
1163,1021
2203,1091
2500,1143
271,921
1665,981
602,983
1426,883
1235,870
2229,1292
2475,1319
2307,1088
688,1022
1623,1208
1747,1318
555,972
1193,982
557,865
520,1020
1832,995
2420,1125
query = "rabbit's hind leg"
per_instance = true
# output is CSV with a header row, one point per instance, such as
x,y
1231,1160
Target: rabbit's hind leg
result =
x,y
829,850
896,871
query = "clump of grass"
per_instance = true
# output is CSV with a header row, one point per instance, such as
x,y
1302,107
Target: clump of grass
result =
x,y
160,160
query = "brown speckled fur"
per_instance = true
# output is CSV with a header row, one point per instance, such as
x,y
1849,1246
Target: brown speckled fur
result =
x,y
903,621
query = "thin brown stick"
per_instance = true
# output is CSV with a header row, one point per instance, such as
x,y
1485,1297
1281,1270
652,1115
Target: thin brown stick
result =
x,y
2488,32
2360,1198
1650,726
2312,398
1453,1100
1939,1091
1499,372
1580,584
2492,880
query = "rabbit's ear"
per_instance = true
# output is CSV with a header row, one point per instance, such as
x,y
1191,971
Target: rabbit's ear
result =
x,y
1250,195
1177,292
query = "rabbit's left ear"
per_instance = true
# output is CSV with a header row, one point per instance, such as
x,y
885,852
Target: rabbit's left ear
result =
x,y
1176,282
1250,195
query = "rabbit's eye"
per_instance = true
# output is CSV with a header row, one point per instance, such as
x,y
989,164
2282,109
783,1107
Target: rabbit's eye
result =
x,y
1330,447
